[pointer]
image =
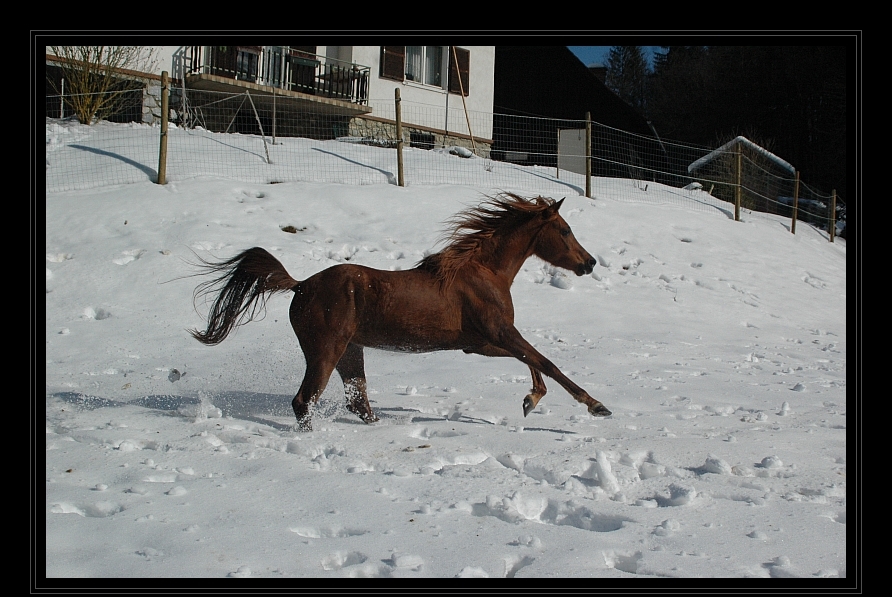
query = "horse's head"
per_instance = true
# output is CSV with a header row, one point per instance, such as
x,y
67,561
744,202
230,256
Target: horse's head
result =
x,y
556,244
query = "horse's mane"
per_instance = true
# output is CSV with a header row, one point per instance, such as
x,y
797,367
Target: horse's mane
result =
x,y
470,228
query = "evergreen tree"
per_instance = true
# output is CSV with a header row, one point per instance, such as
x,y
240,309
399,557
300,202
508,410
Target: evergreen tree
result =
x,y
679,94
627,74
668,56
791,97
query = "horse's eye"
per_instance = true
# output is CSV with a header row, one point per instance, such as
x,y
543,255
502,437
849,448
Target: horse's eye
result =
x,y
565,232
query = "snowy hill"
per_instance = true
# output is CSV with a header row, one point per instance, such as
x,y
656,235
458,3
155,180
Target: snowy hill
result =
x,y
720,347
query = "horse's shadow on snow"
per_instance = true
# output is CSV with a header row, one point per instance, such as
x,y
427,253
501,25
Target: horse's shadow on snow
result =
x,y
265,409
257,407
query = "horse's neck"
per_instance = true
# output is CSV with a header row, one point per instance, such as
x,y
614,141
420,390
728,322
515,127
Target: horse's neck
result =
x,y
508,253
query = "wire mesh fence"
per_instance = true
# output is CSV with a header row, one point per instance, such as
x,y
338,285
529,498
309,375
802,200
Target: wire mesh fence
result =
x,y
268,139
84,157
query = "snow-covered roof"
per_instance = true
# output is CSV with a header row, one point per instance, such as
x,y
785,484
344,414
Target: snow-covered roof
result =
x,y
729,145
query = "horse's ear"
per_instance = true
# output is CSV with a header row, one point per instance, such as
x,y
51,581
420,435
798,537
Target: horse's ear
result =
x,y
553,208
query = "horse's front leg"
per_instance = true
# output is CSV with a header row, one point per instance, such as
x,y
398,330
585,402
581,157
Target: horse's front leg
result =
x,y
351,367
512,342
538,390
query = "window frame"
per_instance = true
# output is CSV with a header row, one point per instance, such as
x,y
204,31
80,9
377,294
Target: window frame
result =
x,y
393,66
425,59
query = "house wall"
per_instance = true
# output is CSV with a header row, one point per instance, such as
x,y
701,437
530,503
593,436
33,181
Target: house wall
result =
x,y
168,60
436,101
433,109
424,105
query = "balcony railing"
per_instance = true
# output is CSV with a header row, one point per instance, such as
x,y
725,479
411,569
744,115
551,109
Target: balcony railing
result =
x,y
283,68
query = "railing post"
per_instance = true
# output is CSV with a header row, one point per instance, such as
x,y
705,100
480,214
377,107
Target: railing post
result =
x,y
399,139
162,152
795,203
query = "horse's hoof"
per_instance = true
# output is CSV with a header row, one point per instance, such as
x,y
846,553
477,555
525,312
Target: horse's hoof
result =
x,y
599,410
304,425
363,413
528,406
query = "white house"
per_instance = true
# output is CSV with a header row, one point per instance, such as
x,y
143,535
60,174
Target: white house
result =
x,y
446,92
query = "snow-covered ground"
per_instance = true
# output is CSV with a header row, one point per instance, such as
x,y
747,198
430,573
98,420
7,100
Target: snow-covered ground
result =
x,y
720,347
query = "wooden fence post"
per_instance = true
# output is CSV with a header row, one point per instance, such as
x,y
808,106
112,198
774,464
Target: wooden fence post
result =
x,y
162,152
738,189
832,230
588,155
399,139
795,202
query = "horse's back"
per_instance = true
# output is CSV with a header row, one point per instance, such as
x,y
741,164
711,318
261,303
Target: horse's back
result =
x,y
402,310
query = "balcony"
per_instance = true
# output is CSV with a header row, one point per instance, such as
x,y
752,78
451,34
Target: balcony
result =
x,y
322,83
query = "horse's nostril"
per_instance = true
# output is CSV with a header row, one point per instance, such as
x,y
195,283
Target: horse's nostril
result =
x,y
586,267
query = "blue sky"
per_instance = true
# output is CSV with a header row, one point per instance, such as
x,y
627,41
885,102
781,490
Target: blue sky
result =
x,y
591,54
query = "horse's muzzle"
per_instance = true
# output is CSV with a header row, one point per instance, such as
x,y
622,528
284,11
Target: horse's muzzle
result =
x,y
586,267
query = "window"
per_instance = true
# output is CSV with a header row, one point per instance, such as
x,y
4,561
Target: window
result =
x,y
424,64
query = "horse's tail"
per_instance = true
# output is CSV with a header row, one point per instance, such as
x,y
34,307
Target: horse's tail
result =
x,y
243,284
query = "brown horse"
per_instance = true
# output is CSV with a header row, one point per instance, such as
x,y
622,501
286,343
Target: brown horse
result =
x,y
457,299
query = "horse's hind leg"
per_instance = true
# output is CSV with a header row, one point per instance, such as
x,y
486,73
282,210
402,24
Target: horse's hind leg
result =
x,y
315,380
321,361
535,395
351,367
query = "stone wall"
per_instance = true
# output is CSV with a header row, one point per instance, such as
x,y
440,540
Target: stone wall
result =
x,y
380,132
